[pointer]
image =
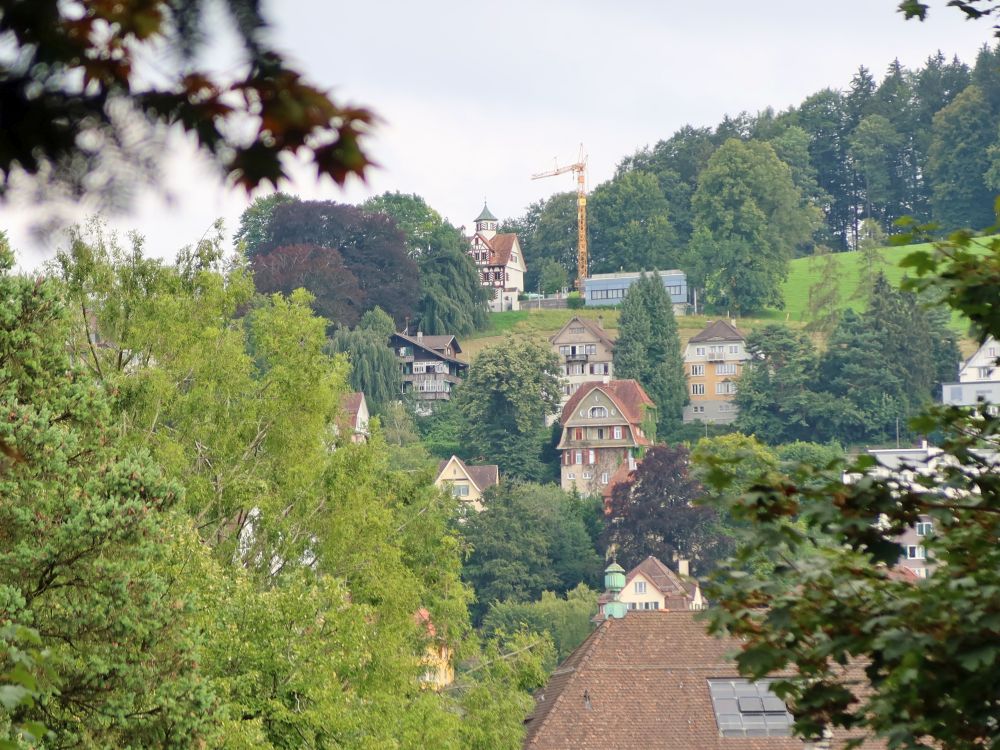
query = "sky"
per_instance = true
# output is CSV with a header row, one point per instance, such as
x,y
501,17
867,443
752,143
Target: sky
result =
x,y
475,97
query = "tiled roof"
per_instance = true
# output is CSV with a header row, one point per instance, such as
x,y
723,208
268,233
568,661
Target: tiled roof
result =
x,y
501,246
720,330
592,326
669,583
482,475
641,682
627,395
351,404
424,343
440,342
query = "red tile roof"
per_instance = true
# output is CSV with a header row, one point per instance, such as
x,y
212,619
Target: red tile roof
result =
x,y
501,246
351,404
641,682
720,330
627,395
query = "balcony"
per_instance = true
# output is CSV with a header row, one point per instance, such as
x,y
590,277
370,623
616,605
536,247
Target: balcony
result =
x,y
578,357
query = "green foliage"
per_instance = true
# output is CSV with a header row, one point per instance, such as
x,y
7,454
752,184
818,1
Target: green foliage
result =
x,y
744,458
253,234
629,224
816,455
575,301
510,390
529,539
649,350
565,620
921,656
374,367
89,549
824,304
552,277
748,219
452,299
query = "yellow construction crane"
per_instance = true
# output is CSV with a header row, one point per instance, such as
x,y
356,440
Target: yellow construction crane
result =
x,y
580,170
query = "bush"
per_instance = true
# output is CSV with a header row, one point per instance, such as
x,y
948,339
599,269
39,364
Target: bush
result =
x,y
574,300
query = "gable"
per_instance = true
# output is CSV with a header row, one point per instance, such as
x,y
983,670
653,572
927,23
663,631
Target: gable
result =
x,y
582,331
588,411
453,470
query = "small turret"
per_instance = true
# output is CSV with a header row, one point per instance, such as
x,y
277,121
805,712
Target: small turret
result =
x,y
486,223
614,582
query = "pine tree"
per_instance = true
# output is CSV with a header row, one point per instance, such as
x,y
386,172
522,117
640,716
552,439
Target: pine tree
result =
x,y
824,296
649,350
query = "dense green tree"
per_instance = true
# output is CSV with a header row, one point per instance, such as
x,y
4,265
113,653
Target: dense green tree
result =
x,y
749,218
870,245
374,367
962,134
824,302
452,300
629,223
653,513
791,145
816,455
510,390
255,222
566,620
552,277
547,232
874,150
91,548
776,398
745,458
648,348
527,540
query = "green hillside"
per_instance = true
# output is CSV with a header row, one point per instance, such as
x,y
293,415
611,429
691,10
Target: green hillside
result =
x,y
805,272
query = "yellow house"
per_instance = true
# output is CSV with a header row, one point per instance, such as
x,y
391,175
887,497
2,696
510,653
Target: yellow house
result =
x,y
467,482
439,668
713,362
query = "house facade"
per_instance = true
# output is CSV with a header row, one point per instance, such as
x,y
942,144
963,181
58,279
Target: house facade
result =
x,y
467,482
500,261
603,426
585,352
651,585
429,365
978,379
602,289
714,359
354,417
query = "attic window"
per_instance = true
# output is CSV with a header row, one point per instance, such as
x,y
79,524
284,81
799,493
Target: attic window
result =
x,y
749,709
598,411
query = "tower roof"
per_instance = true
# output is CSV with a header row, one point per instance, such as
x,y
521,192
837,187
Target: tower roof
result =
x,y
485,214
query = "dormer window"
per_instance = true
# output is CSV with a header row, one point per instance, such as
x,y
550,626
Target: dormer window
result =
x,y
597,412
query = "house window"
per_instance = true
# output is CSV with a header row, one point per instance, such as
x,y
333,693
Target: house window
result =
x,y
598,411
600,433
984,372
576,329
749,709
587,475
571,476
734,349
725,388
650,605
697,389
640,587
604,478
725,369
579,433
564,350
632,605
460,490
925,528
700,351
591,349
592,455
915,552
618,433
698,409
579,458
697,370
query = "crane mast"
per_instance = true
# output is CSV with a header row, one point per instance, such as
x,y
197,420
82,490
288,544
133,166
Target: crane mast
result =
x,y
579,168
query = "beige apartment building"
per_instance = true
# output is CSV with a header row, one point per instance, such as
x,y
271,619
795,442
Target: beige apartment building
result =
x,y
585,352
713,362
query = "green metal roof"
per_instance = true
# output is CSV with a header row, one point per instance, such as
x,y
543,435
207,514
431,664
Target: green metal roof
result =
x,y
485,214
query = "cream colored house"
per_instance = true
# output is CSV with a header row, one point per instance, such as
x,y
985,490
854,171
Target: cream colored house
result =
x,y
500,261
652,585
467,482
713,362
585,352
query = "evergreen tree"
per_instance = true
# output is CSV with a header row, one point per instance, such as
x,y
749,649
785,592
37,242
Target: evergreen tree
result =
x,y
824,297
957,160
649,350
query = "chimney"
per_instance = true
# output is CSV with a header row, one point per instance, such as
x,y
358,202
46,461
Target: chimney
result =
x,y
684,567
420,335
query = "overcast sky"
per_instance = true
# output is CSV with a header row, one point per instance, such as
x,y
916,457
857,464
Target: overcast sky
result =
x,y
476,96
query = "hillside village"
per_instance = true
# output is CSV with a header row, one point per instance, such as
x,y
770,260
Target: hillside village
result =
x,y
705,455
